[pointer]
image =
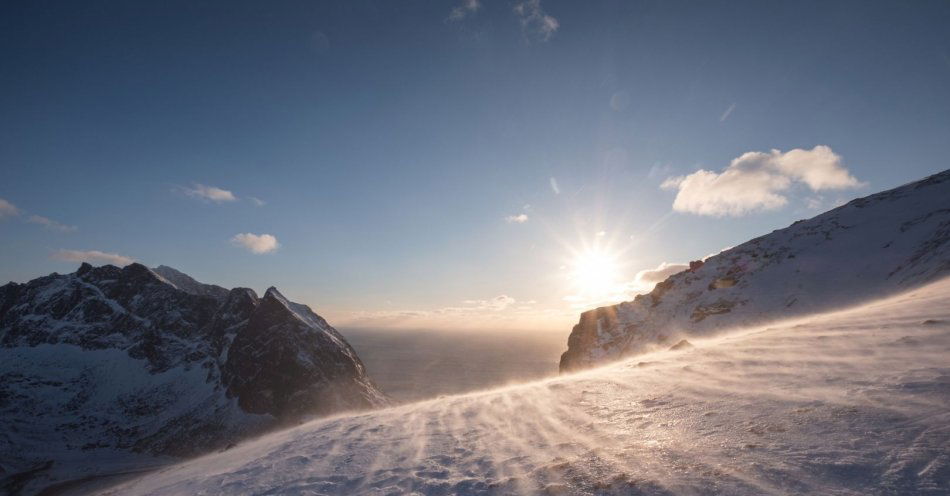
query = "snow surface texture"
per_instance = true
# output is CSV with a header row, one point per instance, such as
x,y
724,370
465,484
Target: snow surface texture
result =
x,y
855,402
111,370
869,248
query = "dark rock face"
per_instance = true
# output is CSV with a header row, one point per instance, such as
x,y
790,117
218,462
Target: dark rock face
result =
x,y
152,362
870,248
271,366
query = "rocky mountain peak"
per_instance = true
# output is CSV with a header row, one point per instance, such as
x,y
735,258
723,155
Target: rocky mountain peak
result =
x,y
187,284
152,361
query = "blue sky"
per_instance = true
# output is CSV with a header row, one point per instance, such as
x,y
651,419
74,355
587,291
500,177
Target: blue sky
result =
x,y
396,145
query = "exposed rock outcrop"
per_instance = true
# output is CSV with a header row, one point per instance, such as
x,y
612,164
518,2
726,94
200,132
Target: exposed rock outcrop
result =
x,y
869,248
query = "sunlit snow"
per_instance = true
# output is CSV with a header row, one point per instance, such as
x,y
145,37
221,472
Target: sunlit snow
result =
x,y
853,402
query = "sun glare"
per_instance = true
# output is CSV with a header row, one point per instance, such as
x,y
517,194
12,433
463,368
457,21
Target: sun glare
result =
x,y
595,272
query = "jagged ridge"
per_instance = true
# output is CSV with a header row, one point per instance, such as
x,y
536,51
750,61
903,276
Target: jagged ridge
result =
x,y
150,361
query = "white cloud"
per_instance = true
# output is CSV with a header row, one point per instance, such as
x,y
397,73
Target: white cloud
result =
x,y
50,223
725,115
466,8
257,201
256,243
554,187
758,181
534,21
8,209
646,279
93,257
517,219
209,193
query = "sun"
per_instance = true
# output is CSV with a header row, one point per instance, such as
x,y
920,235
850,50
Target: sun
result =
x,y
595,272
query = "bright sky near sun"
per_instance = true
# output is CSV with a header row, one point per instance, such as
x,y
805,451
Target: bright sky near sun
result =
x,y
475,163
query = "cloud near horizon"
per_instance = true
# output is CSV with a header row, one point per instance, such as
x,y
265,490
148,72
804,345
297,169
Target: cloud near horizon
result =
x,y
256,243
496,304
758,181
93,257
517,219
500,312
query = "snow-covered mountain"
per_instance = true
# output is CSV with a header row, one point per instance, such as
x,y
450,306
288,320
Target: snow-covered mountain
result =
x,y
850,403
868,248
108,369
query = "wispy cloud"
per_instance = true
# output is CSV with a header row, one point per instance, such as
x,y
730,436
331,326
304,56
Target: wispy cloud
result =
x,y
93,257
535,22
50,223
256,201
467,7
8,209
554,187
208,193
758,181
256,243
725,115
517,219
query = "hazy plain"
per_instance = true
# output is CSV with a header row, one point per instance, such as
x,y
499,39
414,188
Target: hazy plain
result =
x,y
417,364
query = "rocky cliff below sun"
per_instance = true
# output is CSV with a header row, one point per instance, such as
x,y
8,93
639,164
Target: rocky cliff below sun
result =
x,y
107,369
869,248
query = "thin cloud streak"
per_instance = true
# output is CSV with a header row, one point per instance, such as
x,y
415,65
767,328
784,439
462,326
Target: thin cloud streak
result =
x,y
92,257
208,193
50,224
727,113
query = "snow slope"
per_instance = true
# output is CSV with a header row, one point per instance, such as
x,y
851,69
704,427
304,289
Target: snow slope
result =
x,y
869,248
854,402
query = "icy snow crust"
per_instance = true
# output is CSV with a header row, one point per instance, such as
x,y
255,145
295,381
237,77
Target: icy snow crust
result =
x,y
870,248
848,403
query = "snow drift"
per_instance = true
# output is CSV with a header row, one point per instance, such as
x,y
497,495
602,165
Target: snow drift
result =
x,y
850,403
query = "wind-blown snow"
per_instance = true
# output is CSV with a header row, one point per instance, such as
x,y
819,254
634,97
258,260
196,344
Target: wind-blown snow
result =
x,y
853,402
